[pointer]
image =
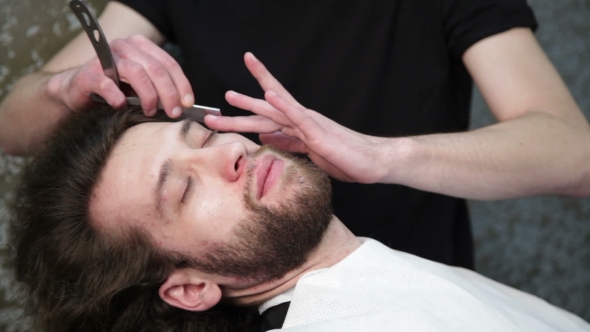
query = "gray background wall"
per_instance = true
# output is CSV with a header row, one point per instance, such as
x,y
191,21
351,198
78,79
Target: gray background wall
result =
x,y
540,245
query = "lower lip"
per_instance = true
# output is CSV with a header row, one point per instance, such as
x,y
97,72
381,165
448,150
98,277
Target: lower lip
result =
x,y
268,174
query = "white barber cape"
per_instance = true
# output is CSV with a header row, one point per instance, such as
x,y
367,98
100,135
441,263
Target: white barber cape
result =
x,y
379,289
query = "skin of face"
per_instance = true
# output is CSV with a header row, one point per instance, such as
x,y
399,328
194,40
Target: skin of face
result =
x,y
202,199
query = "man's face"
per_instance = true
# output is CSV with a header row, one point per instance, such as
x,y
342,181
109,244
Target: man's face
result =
x,y
235,208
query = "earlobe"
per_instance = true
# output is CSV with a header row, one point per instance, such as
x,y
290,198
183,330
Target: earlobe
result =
x,y
186,290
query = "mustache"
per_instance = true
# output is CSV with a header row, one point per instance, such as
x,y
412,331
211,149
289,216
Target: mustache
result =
x,y
269,148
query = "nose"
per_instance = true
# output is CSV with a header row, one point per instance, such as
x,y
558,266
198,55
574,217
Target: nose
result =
x,y
227,160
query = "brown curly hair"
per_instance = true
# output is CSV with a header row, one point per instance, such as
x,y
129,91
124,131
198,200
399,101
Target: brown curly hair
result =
x,y
76,278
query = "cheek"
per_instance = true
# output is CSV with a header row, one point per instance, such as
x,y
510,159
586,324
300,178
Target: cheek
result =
x,y
209,222
216,217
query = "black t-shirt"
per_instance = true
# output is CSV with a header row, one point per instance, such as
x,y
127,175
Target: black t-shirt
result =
x,y
381,67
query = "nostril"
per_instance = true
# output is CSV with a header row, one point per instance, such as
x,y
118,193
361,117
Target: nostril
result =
x,y
237,164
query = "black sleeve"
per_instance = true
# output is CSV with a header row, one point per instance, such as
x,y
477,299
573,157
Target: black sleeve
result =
x,y
468,21
154,11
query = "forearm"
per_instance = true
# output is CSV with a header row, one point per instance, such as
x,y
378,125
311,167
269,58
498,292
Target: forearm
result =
x,y
29,114
533,150
534,154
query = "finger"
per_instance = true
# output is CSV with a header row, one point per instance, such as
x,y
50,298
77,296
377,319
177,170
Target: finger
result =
x,y
91,79
257,106
174,70
309,129
265,78
134,74
157,75
294,145
108,90
243,124
284,142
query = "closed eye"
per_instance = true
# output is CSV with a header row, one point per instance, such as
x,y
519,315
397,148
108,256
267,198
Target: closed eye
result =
x,y
189,186
189,181
209,138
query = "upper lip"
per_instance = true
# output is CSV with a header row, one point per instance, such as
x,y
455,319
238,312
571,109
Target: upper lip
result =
x,y
261,172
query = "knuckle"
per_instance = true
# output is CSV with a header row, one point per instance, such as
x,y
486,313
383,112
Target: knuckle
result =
x,y
137,39
117,43
170,94
169,62
132,67
145,84
105,84
156,68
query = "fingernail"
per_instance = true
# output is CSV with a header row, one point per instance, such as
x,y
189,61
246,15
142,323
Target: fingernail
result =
x,y
232,93
272,93
152,112
176,112
188,99
253,57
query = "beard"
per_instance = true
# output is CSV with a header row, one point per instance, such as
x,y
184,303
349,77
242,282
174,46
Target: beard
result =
x,y
272,241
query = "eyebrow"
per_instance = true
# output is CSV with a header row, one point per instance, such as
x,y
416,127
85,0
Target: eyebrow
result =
x,y
164,172
167,166
186,126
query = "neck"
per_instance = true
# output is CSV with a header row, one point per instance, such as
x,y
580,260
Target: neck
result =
x,y
337,243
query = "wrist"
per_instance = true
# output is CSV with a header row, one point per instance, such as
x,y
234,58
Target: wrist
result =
x,y
396,156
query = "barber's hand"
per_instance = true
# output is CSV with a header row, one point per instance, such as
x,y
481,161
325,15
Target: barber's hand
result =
x,y
283,122
149,70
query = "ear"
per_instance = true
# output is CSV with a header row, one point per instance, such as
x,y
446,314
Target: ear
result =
x,y
186,289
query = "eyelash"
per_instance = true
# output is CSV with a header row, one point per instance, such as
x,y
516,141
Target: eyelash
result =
x,y
189,186
211,134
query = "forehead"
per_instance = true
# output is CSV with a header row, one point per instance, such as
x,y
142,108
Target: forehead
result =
x,y
150,132
144,145
131,170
